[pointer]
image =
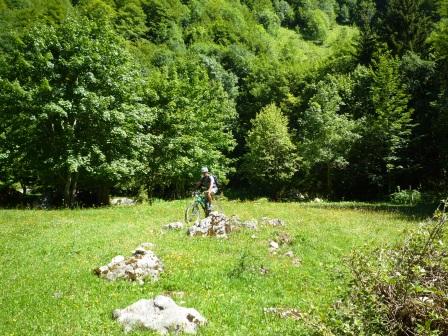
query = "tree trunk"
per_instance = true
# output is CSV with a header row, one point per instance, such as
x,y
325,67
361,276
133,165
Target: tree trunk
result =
x,y
67,191
103,195
23,188
329,182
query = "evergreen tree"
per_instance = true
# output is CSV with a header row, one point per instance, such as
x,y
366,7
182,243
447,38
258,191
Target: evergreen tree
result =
x,y
389,129
405,25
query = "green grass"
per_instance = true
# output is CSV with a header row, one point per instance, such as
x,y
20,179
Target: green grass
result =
x,y
48,252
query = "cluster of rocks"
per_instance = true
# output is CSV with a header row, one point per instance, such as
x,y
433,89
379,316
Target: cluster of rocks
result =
x,y
161,314
141,265
282,239
216,224
253,224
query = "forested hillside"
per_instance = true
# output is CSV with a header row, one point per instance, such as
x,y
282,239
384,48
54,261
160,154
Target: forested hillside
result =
x,y
339,98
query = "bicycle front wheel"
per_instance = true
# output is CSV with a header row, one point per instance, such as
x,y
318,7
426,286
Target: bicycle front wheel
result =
x,y
192,213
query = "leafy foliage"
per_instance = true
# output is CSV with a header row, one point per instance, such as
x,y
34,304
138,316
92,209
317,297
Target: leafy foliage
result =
x,y
400,290
271,159
71,107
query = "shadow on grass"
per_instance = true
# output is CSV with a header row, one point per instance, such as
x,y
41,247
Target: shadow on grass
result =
x,y
419,211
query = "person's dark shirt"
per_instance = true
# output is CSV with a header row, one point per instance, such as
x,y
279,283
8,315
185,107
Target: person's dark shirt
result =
x,y
205,182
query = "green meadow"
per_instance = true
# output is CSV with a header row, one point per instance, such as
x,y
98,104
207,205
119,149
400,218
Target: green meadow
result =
x,y
47,286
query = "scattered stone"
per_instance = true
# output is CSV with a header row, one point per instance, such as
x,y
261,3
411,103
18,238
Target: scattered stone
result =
x,y
296,262
161,314
289,254
122,201
282,238
174,226
141,265
284,312
254,236
273,247
264,270
251,224
234,220
317,200
216,224
272,221
58,294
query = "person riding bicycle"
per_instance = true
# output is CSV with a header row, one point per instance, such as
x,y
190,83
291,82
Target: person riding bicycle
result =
x,y
208,185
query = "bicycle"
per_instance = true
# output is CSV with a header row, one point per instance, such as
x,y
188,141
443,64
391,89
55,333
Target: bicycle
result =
x,y
193,211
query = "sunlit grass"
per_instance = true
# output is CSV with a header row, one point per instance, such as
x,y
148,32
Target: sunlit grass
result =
x,y
46,261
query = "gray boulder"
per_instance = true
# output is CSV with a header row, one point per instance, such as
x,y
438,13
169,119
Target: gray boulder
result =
x,y
161,314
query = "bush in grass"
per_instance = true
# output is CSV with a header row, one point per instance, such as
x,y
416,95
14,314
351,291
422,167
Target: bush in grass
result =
x,y
409,196
402,290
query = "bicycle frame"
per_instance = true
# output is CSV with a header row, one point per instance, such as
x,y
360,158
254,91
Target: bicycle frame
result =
x,y
199,198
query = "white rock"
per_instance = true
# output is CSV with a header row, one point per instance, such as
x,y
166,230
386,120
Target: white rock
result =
x,y
289,254
161,314
174,226
273,245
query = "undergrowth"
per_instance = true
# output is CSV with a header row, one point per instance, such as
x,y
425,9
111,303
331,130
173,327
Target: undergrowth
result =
x,y
399,290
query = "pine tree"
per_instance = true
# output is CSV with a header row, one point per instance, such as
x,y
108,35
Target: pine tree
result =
x,y
390,126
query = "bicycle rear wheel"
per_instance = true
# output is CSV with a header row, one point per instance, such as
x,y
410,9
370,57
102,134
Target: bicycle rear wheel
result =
x,y
192,213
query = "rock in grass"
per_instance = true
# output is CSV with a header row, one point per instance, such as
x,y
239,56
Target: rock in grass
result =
x,y
283,238
161,314
174,226
141,265
251,224
289,254
216,224
272,221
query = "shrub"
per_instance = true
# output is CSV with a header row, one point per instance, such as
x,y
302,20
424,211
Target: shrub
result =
x,y
315,25
401,290
409,196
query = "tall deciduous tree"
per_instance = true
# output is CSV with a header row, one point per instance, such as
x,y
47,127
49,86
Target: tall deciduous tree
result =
x,y
194,128
327,134
271,159
70,109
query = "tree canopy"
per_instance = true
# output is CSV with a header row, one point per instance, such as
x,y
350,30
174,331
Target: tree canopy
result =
x,y
103,95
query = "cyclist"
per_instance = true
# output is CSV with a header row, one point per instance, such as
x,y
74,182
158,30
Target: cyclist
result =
x,y
208,185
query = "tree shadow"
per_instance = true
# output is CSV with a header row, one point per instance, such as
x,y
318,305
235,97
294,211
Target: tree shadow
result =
x,y
412,212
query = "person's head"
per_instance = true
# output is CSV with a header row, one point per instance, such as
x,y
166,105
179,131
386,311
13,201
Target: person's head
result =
x,y
204,171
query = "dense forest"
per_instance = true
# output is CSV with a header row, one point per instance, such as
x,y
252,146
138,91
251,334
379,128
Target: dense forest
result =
x,y
345,99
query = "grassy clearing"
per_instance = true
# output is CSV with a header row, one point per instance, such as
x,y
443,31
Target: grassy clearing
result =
x,y
46,261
